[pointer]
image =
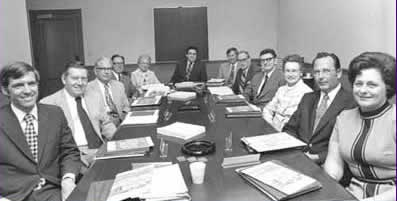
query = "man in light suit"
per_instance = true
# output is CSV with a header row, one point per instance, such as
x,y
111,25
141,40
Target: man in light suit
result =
x,y
315,117
39,159
244,74
190,69
265,84
228,70
111,92
75,79
119,74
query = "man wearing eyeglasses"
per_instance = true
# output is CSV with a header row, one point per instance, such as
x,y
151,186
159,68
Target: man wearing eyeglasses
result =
x,y
244,73
111,92
315,117
119,74
190,69
264,84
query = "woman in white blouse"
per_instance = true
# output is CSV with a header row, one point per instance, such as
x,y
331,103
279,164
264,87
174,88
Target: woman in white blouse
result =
x,y
284,103
142,75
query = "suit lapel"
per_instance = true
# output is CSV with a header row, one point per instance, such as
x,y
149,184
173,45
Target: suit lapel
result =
x,y
332,110
14,131
66,110
43,128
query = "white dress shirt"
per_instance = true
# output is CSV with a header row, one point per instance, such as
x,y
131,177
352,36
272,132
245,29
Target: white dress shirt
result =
x,y
331,95
78,134
102,88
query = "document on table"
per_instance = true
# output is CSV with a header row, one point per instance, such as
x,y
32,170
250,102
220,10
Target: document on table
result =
x,y
272,142
224,90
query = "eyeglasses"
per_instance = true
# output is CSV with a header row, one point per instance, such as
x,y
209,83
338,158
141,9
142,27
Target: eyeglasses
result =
x,y
267,59
118,63
104,68
246,59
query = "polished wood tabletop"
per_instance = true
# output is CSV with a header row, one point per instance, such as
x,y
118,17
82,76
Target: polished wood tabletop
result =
x,y
219,184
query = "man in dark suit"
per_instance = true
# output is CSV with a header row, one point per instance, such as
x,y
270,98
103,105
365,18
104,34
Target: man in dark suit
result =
x,y
264,85
245,73
315,117
190,69
39,159
119,74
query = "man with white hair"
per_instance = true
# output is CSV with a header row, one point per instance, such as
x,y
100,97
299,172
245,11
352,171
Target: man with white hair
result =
x,y
114,99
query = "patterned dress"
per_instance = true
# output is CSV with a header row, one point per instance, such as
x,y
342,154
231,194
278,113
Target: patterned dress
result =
x,y
367,143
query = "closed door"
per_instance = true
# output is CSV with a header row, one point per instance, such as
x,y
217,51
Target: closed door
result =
x,y
57,39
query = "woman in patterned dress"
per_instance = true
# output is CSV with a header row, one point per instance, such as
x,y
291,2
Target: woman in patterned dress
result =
x,y
364,138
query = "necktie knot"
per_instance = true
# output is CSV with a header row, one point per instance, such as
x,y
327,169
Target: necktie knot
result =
x,y
78,99
28,118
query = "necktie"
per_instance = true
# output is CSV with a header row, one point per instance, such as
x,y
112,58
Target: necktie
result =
x,y
31,135
119,76
242,81
231,77
262,86
109,100
322,108
189,70
90,134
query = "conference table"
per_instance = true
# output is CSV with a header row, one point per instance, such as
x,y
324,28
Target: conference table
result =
x,y
219,183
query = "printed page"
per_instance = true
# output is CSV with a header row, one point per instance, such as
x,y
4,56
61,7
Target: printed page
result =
x,y
270,142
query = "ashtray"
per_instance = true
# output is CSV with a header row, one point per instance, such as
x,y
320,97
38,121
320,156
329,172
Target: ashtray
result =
x,y
198,148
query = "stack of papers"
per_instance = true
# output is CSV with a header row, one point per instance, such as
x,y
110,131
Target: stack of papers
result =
x,y
185,85
181,132
126,148
156,90
231,99
150,183
146,101
272,142
238,161
141,117
278,181
215,82
220,91
243,111
182,96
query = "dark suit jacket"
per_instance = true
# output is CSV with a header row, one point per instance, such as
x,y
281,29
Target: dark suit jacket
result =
x,y
198,73
301,123
273,82
128,86
251,72
57,152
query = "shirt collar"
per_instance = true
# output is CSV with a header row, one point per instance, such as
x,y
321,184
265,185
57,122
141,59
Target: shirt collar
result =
x,y
21,114
270,73
332,93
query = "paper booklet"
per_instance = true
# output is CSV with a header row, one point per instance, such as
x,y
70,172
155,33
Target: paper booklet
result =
x,y
182,96
146,101
150,183
213,82
126,148
248,110
221,90
141,117
272,142
181,132
277,180
231,99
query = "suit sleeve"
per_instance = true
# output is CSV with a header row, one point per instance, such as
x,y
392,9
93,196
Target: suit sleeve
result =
x,y
293,125
203,76
69,153
174,77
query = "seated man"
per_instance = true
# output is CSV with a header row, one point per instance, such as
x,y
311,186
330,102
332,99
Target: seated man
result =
x,y
88,121
278,111
315,117
142,75
244,73
264,85
39,159
120,75
190,69
110,92
228,70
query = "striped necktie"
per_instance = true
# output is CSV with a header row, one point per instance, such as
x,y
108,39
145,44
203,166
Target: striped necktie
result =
x,y
109,100
231,76
242,81
322,108
189,70
262,86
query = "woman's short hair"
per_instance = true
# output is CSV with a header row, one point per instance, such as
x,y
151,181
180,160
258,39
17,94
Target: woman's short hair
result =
x,y
293,58
16,70
384,63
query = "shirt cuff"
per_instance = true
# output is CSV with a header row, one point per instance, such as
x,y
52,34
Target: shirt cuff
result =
x,y
69,175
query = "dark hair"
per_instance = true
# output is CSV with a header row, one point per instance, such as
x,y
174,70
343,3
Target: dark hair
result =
x,y
16,70
73,64
117,55
268,51
326,54
293,58
384,63
191,48
232,49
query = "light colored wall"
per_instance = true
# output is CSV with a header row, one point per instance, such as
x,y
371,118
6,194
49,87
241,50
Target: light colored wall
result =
x,y
126,26
14,34
345,27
